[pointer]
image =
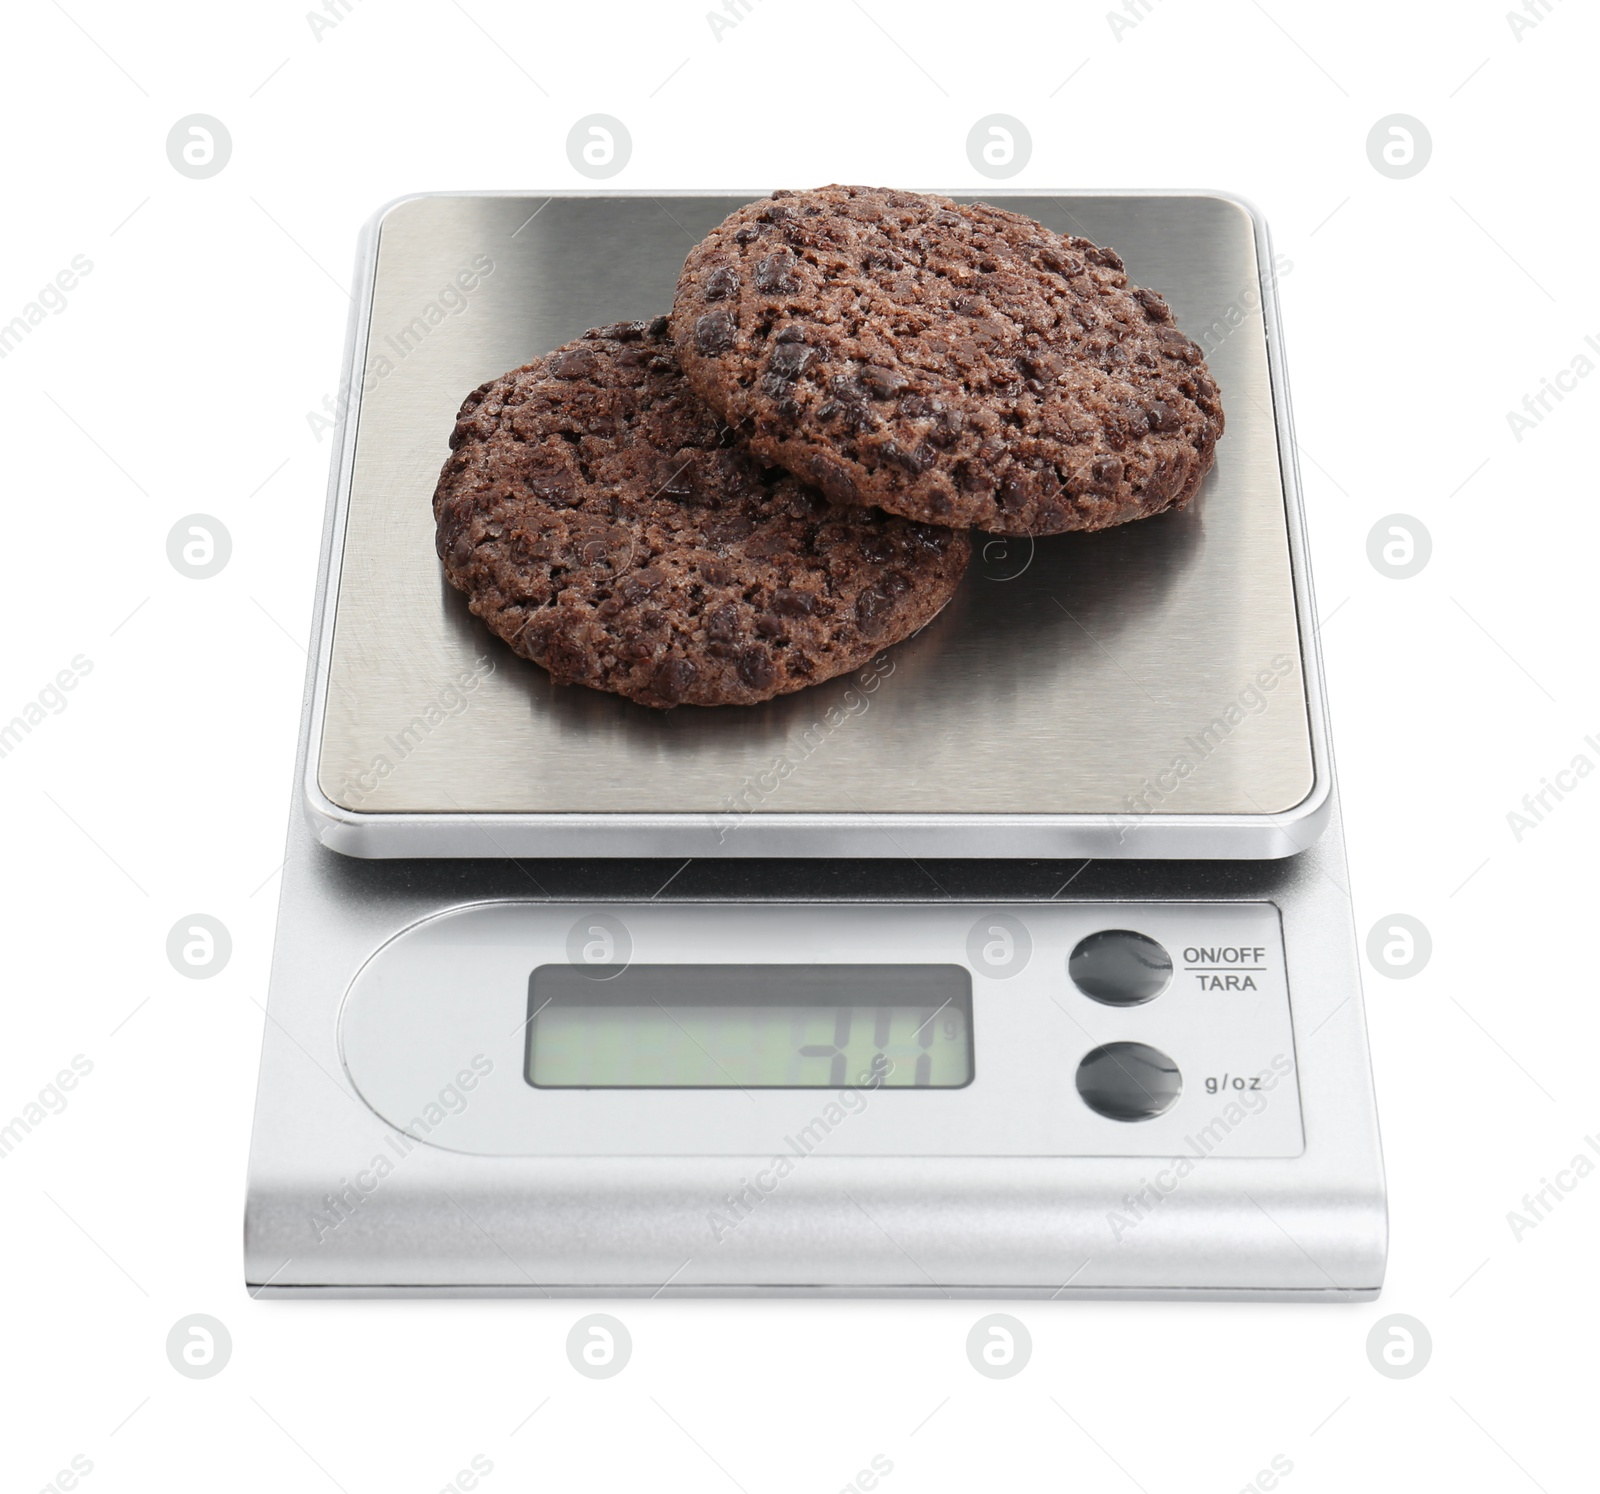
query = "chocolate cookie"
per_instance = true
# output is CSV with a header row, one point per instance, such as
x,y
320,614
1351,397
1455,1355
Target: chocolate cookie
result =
x,y
609,527
958,365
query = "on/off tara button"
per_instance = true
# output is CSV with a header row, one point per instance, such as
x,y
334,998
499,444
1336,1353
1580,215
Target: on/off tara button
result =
x,y
1120,967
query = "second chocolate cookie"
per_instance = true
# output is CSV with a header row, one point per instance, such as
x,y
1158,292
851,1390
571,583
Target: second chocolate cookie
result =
x,y
954,364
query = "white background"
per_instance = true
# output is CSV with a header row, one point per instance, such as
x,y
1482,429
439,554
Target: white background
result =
x,y
178,379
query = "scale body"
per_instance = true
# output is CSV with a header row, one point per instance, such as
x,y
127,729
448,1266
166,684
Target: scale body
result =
x,y
1038,926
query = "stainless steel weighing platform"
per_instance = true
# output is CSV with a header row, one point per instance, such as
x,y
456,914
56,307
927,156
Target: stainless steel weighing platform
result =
x,y
1090,808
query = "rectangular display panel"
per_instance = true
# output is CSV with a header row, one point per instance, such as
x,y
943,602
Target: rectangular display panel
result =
x,y
750,1027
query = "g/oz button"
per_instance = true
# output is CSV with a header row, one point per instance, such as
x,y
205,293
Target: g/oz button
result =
x,y
1120,967
1128,1081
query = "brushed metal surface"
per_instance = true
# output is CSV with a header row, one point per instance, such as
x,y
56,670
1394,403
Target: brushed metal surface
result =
x,y
1111,675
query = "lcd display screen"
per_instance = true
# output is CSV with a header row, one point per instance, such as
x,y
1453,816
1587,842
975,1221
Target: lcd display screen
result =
x,y
750,1027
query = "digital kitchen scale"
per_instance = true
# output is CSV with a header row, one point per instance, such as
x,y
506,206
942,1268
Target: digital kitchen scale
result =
x,y
1018,963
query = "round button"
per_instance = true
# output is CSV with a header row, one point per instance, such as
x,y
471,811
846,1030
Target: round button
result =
x,y
1120,967
1128,1081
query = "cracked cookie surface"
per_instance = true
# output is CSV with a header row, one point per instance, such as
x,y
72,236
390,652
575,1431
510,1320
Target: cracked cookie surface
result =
x,y
954,364
608,526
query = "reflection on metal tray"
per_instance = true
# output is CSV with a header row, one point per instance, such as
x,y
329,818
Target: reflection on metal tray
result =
x,y
1146,691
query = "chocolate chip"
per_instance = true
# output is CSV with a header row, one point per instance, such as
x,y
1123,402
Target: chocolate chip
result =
x,y
456,510
1013,493
789,359
746,235
755,667
916,461
677,479
673,679
871,609
1061,263
775,274
552,488
577,364
793,603
714,332
1154,304
769,624
721,283
1162,416
834,478
857,415
641,583
775,541
883,383
723,624
1174,342
1106,471
947,427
